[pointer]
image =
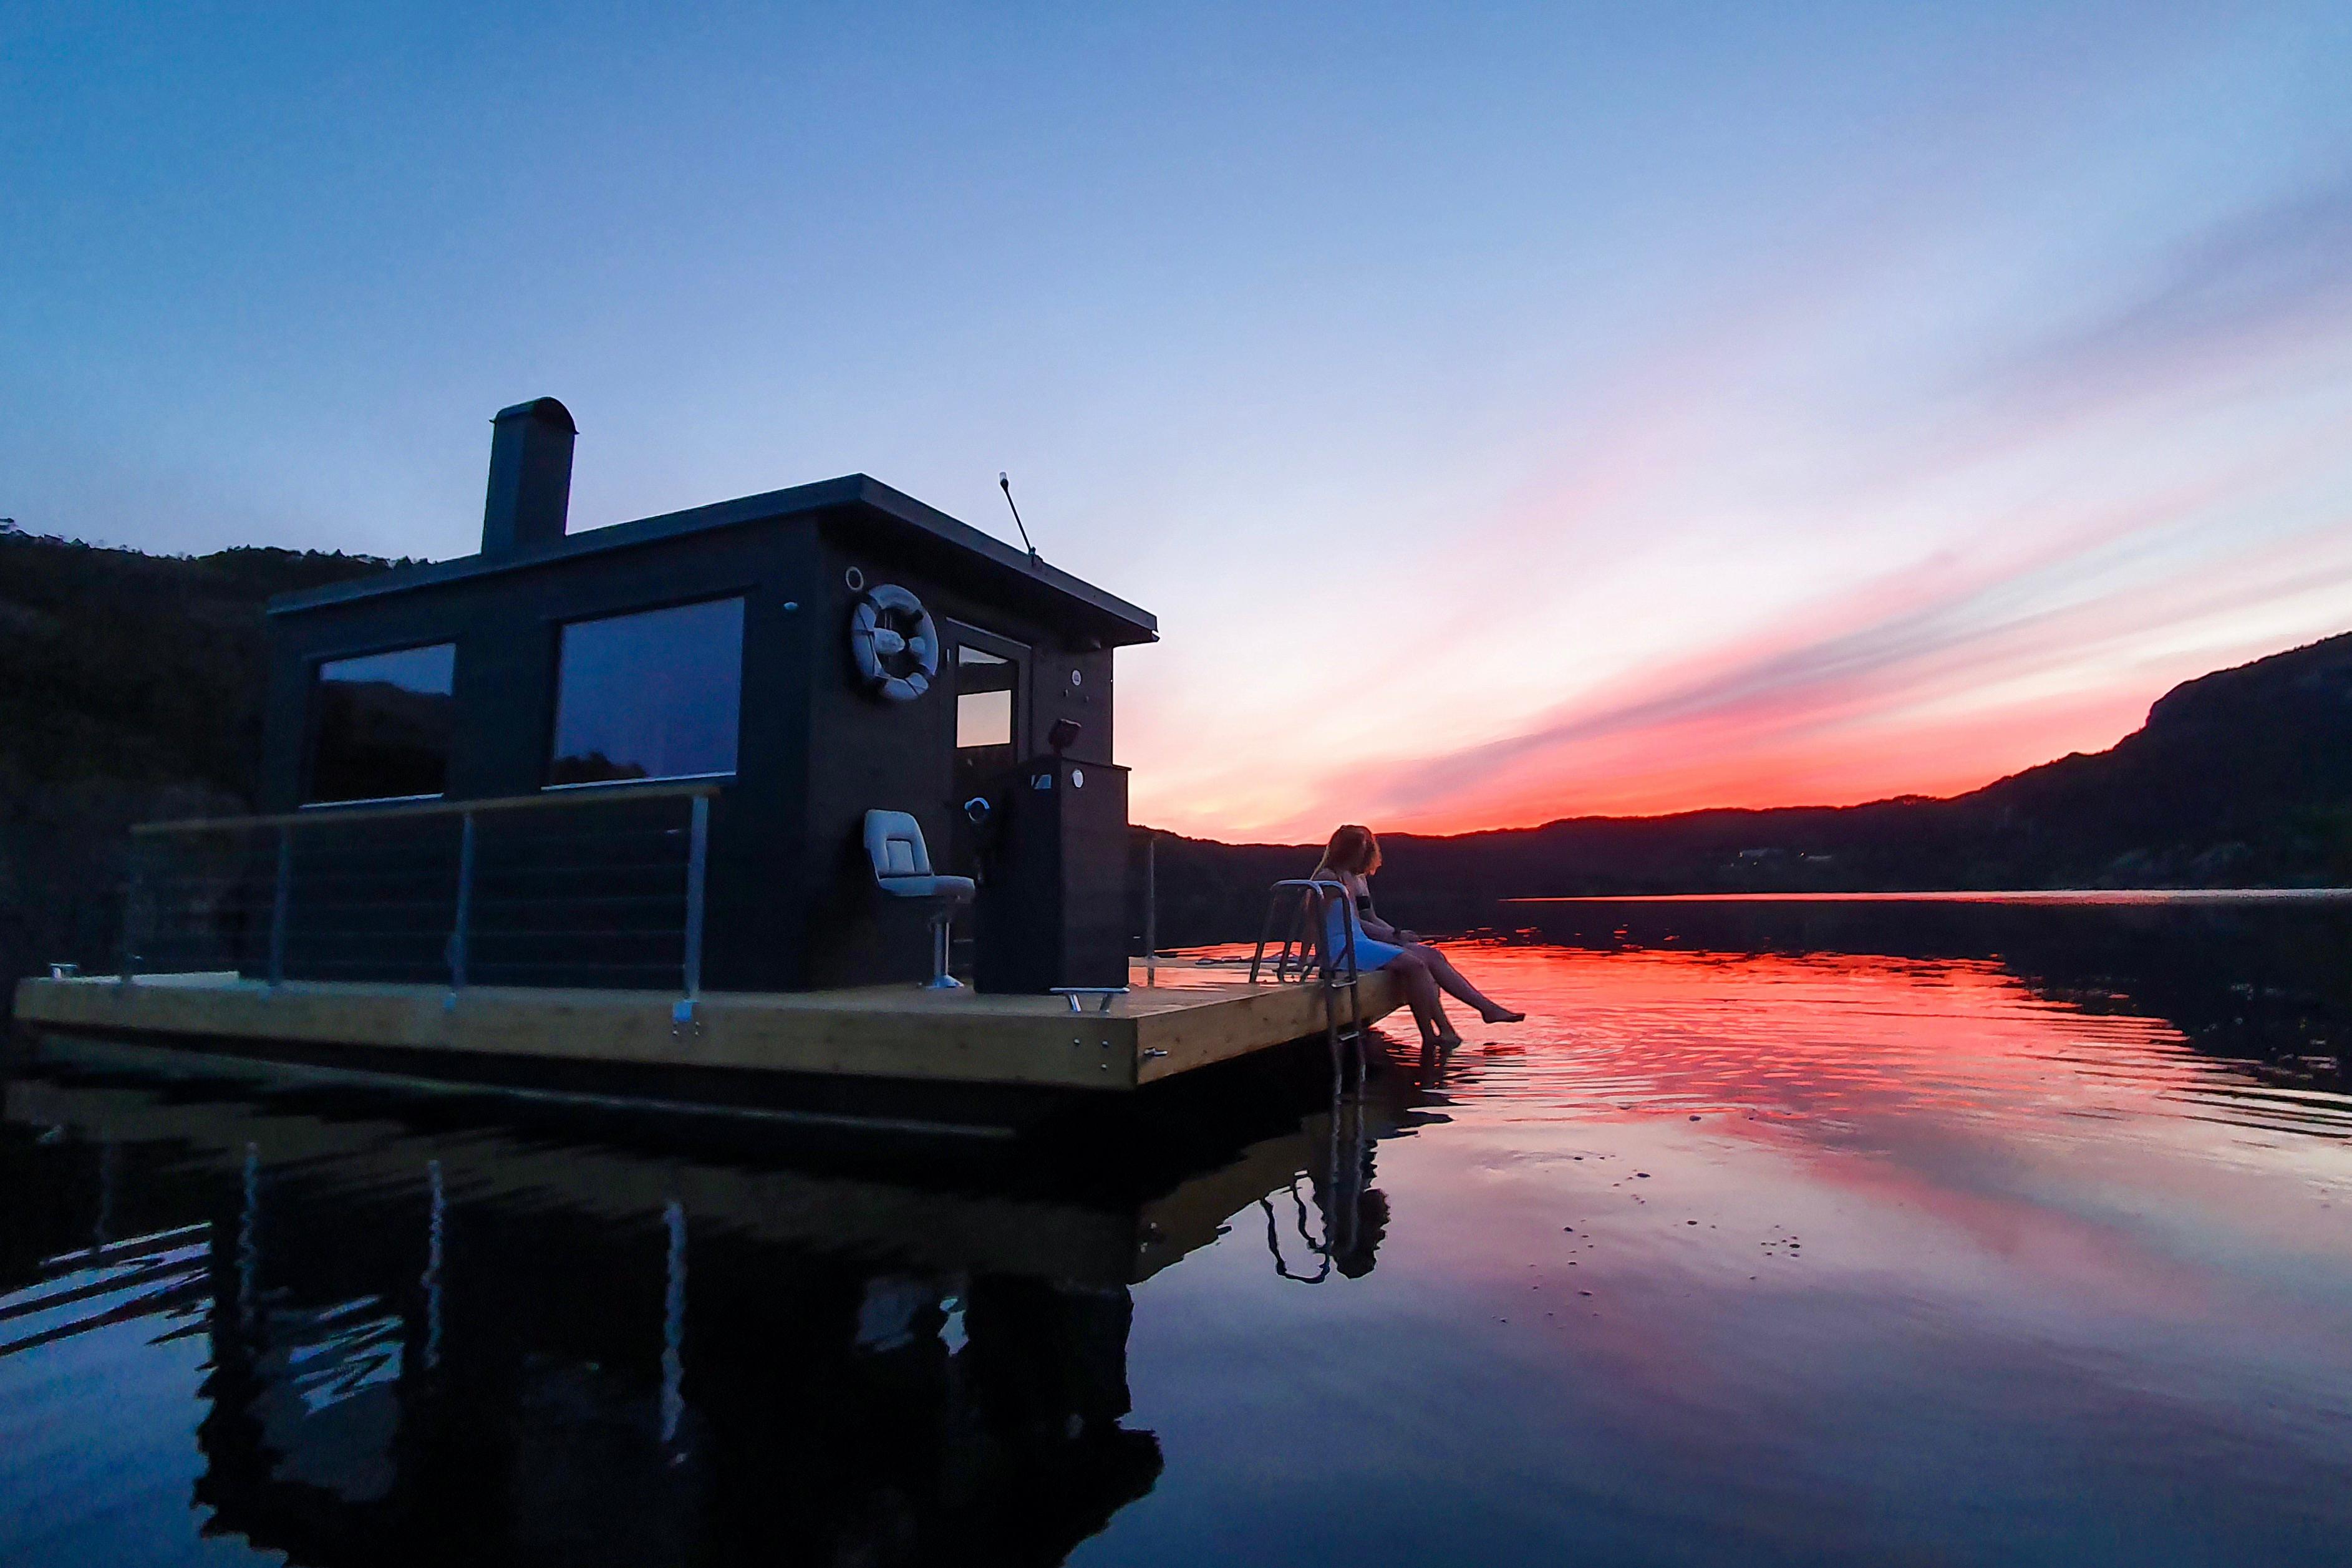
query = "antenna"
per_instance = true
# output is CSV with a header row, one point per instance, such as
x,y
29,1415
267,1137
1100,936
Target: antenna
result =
x,y
1005,484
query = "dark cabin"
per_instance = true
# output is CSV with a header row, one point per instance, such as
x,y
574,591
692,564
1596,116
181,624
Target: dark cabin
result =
x,y
716,644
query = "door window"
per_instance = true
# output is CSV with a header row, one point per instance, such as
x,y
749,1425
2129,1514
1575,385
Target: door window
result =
x,y
990,687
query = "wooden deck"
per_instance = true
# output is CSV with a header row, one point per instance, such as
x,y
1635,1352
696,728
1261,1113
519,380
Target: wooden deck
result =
x,y
1192,1019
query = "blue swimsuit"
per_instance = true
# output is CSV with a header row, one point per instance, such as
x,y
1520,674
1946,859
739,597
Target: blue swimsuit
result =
x,y
1370,953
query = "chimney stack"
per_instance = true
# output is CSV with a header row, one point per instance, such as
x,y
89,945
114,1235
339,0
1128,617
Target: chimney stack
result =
x,y
531,477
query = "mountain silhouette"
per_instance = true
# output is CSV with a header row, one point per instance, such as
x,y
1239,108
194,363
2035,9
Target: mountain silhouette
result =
x,y
2240,778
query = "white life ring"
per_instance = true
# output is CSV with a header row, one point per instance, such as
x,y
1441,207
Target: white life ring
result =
x,y
894,645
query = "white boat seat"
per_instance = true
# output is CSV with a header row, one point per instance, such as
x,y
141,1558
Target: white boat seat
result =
x,y
902,868
902,864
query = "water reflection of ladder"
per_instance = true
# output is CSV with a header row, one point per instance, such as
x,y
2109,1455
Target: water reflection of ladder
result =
x,y
1313,904
1340,1194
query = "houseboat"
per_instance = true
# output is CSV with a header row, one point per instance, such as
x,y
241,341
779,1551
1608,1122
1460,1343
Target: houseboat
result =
x,y
713,805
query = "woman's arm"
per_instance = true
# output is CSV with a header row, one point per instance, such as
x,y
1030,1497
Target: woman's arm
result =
x,y
1374,927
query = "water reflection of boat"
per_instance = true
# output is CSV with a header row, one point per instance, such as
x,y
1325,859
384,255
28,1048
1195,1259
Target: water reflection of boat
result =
x,y
435,1334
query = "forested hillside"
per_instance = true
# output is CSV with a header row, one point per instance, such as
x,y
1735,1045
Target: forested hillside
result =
x,y
129,687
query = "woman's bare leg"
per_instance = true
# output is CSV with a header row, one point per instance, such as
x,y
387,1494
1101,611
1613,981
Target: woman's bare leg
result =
x,y
1421,995
1442,973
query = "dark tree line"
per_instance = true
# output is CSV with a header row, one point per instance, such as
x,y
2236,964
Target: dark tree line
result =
x,y
130,687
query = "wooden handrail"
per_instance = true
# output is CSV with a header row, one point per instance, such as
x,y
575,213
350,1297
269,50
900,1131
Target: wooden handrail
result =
x,y
334,812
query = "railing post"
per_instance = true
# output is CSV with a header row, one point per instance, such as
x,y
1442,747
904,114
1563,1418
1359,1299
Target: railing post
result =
x,y
461,929
698,855
1151,910
131,889
279,901
435,1228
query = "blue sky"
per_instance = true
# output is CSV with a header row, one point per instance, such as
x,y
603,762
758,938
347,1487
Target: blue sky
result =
x,y
1669,406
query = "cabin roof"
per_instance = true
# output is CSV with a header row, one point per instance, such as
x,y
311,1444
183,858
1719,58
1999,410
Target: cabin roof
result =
x,y
992,565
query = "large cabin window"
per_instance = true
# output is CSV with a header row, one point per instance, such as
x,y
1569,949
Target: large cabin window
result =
x,y
655,695
381,725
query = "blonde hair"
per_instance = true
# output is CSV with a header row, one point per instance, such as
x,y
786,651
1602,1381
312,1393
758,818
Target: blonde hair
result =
x,y
1353,851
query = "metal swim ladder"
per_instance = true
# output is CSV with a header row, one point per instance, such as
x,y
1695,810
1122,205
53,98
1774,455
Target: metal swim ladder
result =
x,y
1337,971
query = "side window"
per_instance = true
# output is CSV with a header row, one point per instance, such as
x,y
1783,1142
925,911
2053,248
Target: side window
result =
x,y
984,689
653,695
381,725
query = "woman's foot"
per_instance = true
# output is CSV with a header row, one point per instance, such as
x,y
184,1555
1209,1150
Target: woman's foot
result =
x,y
1447,1041
1501,1015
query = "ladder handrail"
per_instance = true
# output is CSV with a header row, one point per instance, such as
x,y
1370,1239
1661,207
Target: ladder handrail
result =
x,y
1323,893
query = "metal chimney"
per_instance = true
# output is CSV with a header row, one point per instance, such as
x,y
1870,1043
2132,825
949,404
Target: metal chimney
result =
x,y
531,477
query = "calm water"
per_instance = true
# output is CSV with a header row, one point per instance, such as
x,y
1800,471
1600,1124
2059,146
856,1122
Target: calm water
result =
x,y
1781,1234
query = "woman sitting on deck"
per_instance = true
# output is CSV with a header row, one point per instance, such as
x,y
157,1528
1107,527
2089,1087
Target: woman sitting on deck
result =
x,y
1350,859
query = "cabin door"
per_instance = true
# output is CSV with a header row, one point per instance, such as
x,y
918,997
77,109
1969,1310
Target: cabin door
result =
x,y
990,681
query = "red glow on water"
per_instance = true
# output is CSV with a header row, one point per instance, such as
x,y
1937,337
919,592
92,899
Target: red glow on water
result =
x,y
1845,1035
1830,1043
1801,1126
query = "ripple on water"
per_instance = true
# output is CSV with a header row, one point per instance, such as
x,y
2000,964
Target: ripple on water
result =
x,y
1837,1037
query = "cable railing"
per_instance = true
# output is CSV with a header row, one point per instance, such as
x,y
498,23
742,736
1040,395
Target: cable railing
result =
x,y
601,889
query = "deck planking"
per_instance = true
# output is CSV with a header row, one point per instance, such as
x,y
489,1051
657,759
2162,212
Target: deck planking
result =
x,y
1193,1019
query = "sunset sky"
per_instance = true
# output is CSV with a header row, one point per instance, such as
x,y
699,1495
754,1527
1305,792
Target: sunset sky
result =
x,y
1508,413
